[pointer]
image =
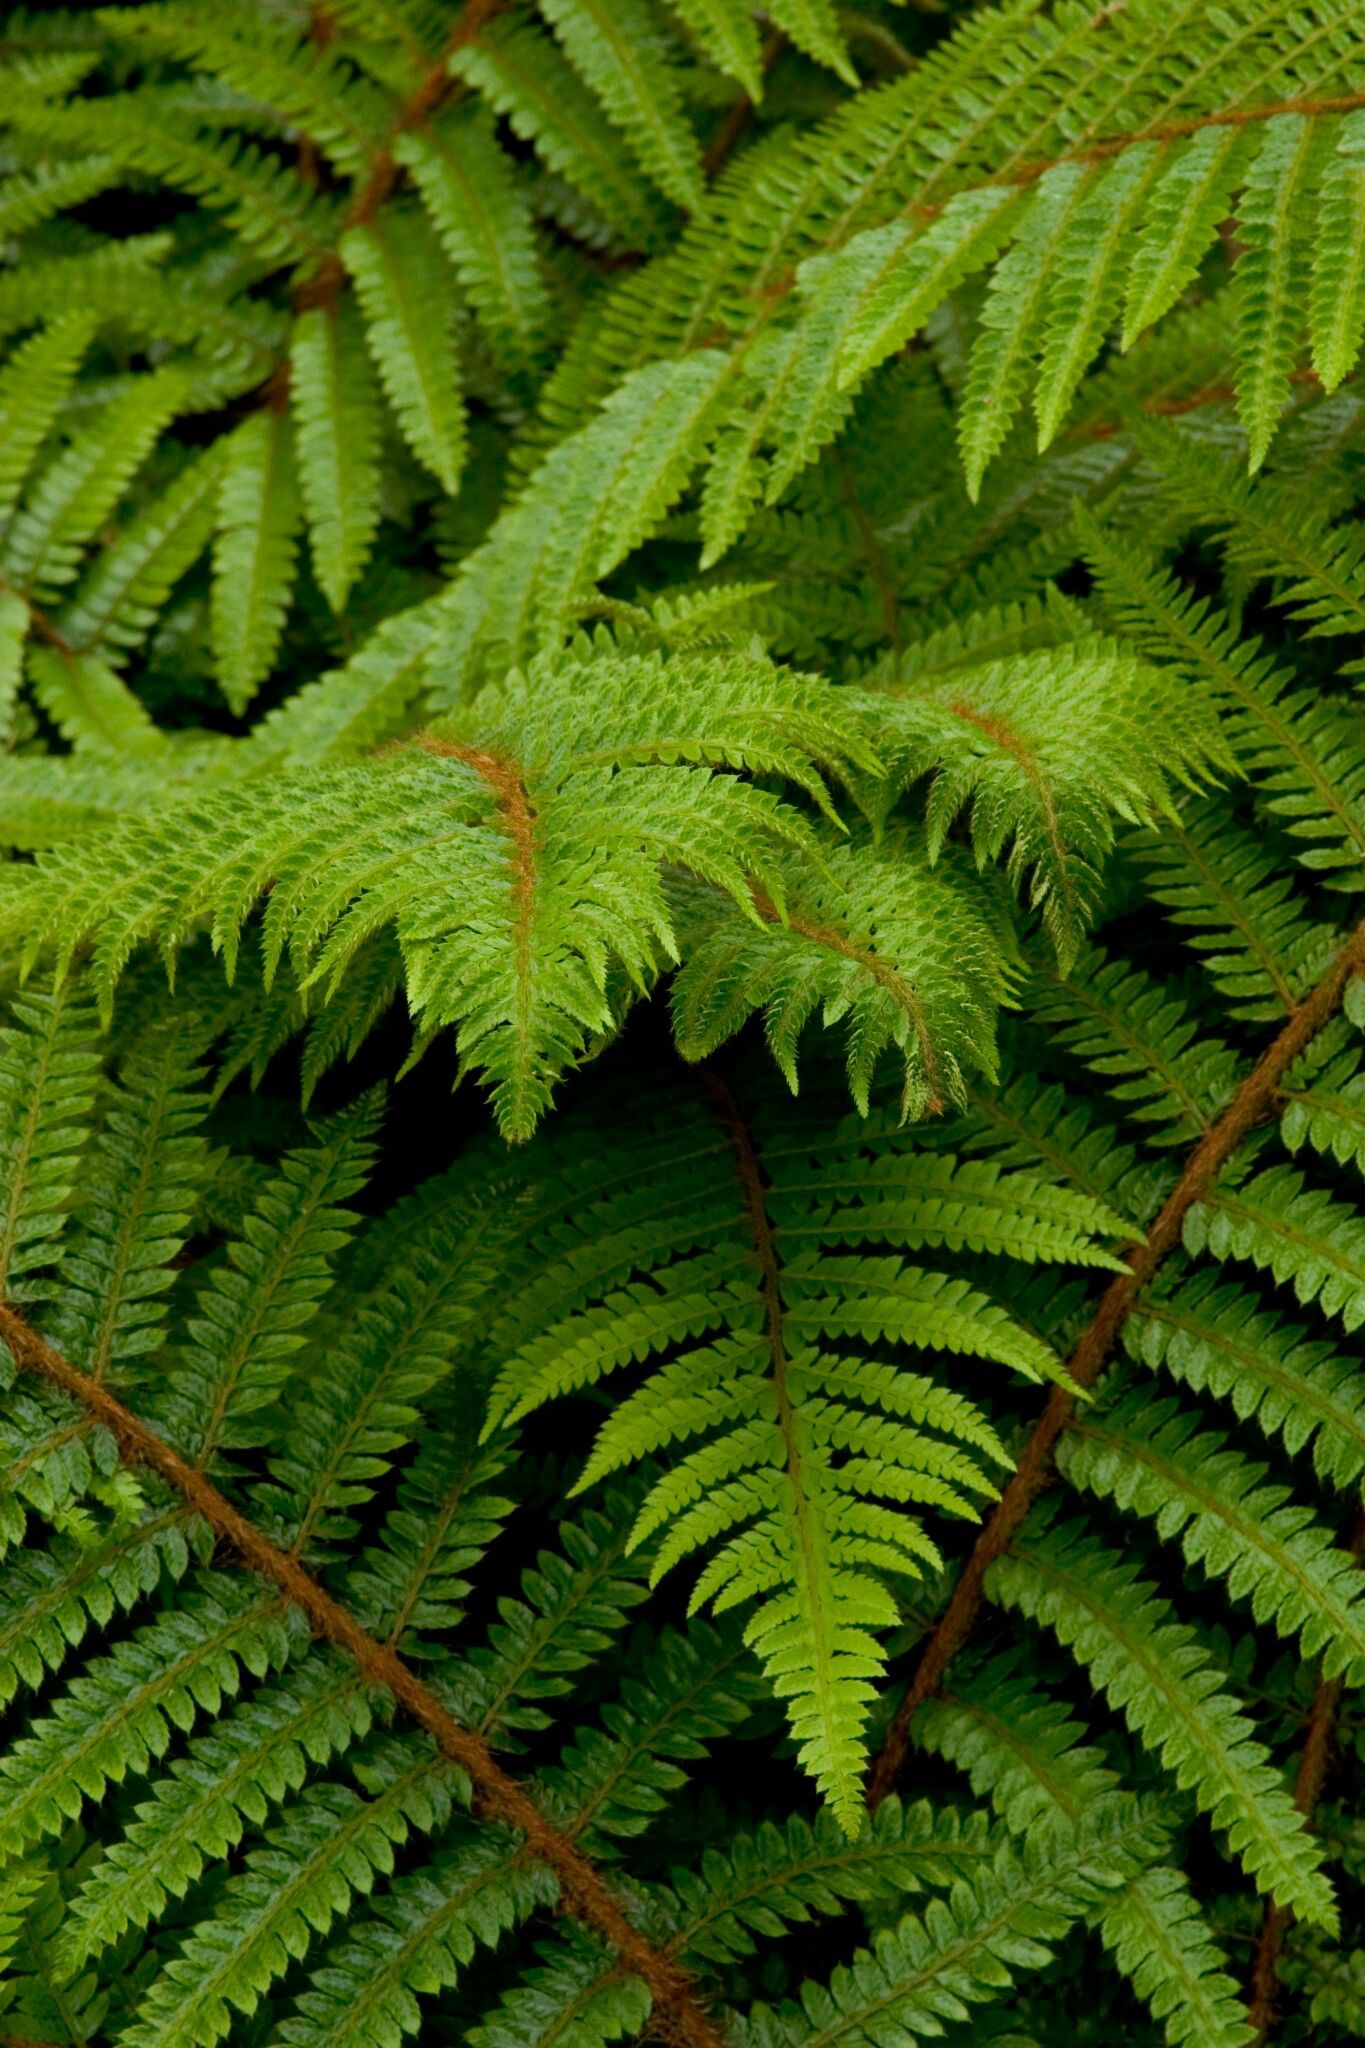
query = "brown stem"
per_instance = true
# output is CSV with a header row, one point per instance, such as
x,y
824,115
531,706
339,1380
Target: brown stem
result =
x,y
770,1290
1177,131
881,971
1103,148
1249,1105
677,2016
1176,408
1308,1784
1106,147
504,777
324,287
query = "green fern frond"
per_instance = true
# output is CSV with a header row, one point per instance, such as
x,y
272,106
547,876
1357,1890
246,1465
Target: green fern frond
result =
x,y
1160,1677
800,1459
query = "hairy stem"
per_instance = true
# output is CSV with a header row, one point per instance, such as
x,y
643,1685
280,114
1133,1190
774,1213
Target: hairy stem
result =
x,y
676,2016
435,85
1249,1105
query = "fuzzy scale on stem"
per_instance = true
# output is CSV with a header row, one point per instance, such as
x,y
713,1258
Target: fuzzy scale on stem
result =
x,y
676,2016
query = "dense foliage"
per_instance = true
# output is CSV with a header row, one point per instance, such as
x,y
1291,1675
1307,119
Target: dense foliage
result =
x,y
682,1101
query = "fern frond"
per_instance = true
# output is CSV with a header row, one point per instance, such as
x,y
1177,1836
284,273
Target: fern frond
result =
x,y
48,1077
970,1945
33,384
242,1331
1166,1684
254,553
255,1757
119,601
1167,1071
425,1929
336,1844
1337,302
484,225
335,442
1161,1940
74,494
800,1458
1211,1337
1296,1232
1263,953
780,1877
616,51
411,338
122,1709
1270,1549
1045,749
138,1188
887,947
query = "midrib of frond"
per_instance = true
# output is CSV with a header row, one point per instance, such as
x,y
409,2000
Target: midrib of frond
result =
x,y
330,1853
680,1702
802,1509
497,1796
1021,170
1236,915
956,1957
506,780
1255,1097
881,971
1265,1367
1254,1535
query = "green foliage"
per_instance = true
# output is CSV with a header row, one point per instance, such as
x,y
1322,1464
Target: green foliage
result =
x,y
779,590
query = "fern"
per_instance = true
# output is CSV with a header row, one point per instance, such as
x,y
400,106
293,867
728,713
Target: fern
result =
x,y
779,590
